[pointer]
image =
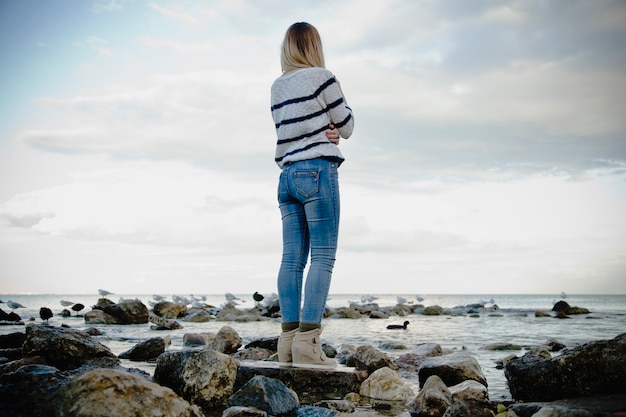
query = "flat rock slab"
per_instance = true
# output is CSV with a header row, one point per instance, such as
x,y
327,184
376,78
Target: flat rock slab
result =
x,y
339,381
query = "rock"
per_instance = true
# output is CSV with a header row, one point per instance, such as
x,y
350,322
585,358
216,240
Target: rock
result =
x,y
148,350
593,368
199,316
227,340
26,391
163,324
386,384
270,343
128,312
433,311
198,339
252,354
369,359
107,392
379,315
565,308
98,316
554,345
63,348
328,382
169,310
16,364
347,313
469,408
452,369
502,346
539,313
205,377
92,331
309,411
12,340
343,406
345,355
267,394
469,390
555,411
243,412
433,399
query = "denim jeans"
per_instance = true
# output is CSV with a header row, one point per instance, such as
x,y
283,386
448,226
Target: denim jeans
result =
x,y
308,194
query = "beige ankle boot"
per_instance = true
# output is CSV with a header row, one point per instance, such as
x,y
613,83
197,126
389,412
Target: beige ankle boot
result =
x,y
284,347
307,351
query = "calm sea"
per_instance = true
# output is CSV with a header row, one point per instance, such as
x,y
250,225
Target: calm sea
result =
x,y
514,322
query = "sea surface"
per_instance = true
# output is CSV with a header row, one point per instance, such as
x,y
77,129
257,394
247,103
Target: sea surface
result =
x,y
512,322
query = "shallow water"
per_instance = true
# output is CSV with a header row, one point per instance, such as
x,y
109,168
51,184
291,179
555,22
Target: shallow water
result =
x,y
514,322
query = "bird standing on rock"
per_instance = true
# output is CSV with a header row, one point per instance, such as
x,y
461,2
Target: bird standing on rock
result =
x,y
104,293
45,313
399,326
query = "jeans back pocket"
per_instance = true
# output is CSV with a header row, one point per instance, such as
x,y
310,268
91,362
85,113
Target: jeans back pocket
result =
x,y
307,182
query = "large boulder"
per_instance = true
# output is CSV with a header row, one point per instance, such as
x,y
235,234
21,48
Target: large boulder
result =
x,y
169,310
128,312
205,377
148,350
108,392
370,359
593,368
452,369
61,347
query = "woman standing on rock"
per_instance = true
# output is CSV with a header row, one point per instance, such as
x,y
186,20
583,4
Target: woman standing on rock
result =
x,y
310,114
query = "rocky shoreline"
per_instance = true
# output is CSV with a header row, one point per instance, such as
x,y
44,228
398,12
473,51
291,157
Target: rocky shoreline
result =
x,y
59,371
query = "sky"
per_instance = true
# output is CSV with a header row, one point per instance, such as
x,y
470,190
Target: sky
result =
x,y
488,155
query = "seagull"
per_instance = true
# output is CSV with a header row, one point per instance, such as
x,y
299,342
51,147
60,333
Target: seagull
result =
x,y
104,293
368,298
563,295
398,326
400,300
419,298
45,313
157,297
66,303
14,305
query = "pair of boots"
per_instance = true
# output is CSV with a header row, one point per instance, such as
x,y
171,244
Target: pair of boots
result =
x,y
303,350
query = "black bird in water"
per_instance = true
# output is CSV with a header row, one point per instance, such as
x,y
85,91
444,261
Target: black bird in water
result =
x,y
45,313
77,307
257,297
399,326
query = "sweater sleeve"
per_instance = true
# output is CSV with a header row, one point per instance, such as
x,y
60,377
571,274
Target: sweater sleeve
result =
x,y
338,110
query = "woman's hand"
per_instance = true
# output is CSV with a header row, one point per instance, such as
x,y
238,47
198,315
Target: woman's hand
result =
x,y
333,134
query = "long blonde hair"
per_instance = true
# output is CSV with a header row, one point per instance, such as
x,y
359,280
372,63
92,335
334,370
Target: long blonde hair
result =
x,y
302,48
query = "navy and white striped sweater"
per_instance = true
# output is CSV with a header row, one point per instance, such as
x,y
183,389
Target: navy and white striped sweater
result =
x,y
304,103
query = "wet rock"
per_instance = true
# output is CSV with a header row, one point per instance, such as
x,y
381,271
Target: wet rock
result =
x,y
309,411
26,391
469,390
452,369
469,408
593,368
198,339
63,348
227,340
206,377
128,312
555,411
148,350
345,355
343,406
386,384
12,340
243,412
502,346
253,354
433,311
539,313
433,399
338,382
267,394
270,343
370,359
163,324
107,392
199,316
169,310
565,308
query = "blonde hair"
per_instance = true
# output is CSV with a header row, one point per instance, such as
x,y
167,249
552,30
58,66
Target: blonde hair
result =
x,y
302,48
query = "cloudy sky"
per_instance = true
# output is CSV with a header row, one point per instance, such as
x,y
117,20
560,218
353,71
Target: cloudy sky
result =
x,y
489,153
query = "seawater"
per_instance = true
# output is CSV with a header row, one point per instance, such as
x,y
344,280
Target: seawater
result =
x,y
513,322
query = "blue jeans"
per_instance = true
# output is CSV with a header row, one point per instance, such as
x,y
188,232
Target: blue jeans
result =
x,y
308,194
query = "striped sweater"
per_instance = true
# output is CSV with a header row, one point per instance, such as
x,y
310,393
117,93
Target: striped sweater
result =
x,y
304,103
